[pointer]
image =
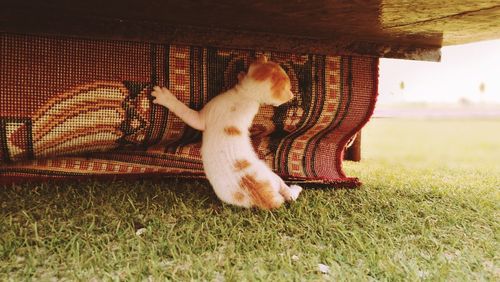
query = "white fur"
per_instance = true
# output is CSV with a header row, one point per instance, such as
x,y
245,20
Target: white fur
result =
x,y
234,108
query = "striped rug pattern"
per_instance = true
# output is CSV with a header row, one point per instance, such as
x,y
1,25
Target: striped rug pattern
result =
x,y
79,108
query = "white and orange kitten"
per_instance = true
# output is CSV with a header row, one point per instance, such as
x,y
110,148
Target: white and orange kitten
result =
x,y
237,175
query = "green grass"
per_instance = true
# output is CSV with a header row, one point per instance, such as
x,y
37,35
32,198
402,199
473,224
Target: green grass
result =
x,y
428,210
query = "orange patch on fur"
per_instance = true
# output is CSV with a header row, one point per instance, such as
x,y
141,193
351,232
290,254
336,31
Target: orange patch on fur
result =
x,y
232,131
238,197
240,165
261,192
279,79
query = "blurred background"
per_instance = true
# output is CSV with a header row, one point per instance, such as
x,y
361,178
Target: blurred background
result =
x,y
466,84
438,120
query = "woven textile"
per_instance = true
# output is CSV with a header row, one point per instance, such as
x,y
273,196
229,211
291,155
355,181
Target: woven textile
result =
x,y
73,108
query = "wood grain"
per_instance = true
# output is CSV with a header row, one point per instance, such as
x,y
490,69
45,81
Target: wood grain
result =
x,y
389,28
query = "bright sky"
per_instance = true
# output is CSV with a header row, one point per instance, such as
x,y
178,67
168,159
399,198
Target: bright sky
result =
x,y
459,75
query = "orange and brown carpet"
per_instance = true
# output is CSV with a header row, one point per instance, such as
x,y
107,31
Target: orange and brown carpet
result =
x,y
78,108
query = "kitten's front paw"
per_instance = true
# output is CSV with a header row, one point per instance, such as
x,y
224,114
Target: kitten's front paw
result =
x,y
163,96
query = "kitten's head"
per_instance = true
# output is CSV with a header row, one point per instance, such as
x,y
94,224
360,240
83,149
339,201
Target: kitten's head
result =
x,y
271,80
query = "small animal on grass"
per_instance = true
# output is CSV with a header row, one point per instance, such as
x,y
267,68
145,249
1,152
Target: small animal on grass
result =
x,y
231,165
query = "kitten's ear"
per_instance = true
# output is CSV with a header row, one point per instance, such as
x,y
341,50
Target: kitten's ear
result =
x,y
241,75
261,59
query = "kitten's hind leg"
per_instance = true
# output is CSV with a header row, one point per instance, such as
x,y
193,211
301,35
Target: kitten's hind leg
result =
x,y
285,192
295,191
289,193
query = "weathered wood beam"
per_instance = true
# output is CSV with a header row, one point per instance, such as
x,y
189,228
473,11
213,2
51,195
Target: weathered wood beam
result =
x,y
460,27
458,21
30,22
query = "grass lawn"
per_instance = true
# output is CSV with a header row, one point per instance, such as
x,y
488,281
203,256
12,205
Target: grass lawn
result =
x,y
429,209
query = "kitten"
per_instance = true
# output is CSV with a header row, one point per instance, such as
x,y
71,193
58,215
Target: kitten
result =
x,y
237,175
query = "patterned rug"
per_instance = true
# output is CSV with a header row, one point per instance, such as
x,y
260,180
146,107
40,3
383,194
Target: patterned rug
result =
x,y
75,108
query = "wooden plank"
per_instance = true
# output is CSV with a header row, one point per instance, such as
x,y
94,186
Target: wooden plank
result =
x,y
353,153
119,29
385,28
480,21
